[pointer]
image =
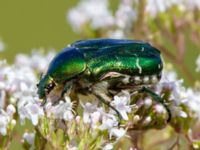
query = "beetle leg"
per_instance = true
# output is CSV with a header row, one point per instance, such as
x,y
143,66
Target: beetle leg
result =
x,y
67,88
157,98
101,99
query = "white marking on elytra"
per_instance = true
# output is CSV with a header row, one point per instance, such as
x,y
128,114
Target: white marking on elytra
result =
x,y
137,78
154,79
142,49
126,79
146,79
138,66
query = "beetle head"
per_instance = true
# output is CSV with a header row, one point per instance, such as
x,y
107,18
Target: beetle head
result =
x,y
45,86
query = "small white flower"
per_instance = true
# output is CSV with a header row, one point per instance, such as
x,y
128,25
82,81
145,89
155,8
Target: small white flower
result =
x,y
29,138
193,101
147,120
10,110
63,110
95,118
169,76
178,91
159,108
117,34
121,103
125,16
148,102
32,112
192,4
22,59
136,118
4,120
13,122
183,114
118,133
108,146
89,109
2,98
77,19
108,122
37,61
72,147
154,7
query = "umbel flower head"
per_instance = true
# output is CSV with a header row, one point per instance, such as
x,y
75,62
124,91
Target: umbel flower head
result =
x,y
91,119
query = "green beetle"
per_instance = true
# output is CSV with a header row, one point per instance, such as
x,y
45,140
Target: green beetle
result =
x,y
122,64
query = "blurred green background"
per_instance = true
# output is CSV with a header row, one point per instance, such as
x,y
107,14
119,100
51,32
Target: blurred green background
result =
x,y
28,24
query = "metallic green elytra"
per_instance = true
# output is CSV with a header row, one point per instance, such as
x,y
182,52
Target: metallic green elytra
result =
x,y
97,59
123,64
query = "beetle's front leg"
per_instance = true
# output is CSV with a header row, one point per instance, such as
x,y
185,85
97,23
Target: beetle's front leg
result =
x,y
67,88
101,98
157,98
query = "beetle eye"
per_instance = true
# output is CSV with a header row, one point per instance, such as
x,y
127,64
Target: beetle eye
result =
x,y
49,87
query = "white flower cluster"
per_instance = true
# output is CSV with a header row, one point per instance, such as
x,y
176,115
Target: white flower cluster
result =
x,y
37,61
154,7
6,119
18,82
179,94
124,19
63,110
18,87
96,15
98,118
94,11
